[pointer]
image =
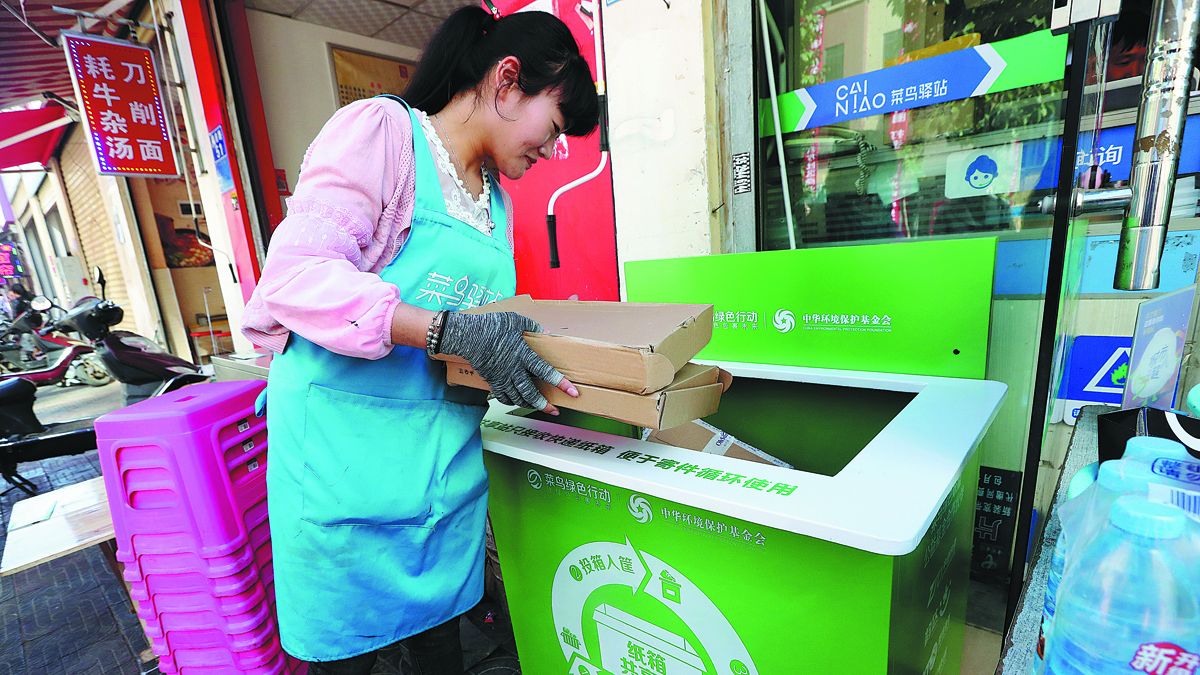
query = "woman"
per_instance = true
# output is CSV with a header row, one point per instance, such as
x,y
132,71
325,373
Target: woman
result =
x,y
18,299
377,490
19,302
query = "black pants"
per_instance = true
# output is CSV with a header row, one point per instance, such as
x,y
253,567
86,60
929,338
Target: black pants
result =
x,y
437,651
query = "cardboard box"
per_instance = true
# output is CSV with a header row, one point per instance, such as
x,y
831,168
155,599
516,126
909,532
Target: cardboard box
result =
x,y
704,437
694,393
629,346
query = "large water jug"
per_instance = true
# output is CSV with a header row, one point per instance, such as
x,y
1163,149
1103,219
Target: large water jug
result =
x,y
1083,513
1129,602
1171,461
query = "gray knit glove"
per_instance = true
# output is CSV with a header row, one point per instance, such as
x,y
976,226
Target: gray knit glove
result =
x,y
492,344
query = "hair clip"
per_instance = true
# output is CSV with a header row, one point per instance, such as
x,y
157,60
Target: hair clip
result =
x,y
491,7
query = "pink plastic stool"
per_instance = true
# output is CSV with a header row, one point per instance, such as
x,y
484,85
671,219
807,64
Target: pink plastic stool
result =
x,y
278,664
185,463
242,629
198,601
186,478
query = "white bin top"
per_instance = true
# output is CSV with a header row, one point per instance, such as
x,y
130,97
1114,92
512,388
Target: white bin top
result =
x,y
883,501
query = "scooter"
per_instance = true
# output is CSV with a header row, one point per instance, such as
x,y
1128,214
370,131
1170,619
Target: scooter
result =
x,y
12,353
64,362
141,366
23,438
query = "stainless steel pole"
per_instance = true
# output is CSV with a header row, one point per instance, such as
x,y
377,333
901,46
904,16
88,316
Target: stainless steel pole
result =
x,y
1159,136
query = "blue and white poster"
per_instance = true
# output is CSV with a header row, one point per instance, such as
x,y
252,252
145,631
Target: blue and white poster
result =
x,y
1158,339
1097,369
1096,372
1111,152
216,138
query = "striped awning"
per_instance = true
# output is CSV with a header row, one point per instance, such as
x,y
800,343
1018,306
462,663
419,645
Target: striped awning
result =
x,y
30,66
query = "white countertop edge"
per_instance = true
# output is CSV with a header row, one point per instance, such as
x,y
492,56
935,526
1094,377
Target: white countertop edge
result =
x,y
875,503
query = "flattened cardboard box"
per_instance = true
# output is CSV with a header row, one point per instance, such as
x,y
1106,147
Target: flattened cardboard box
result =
x,y
630,346
704,437
695,393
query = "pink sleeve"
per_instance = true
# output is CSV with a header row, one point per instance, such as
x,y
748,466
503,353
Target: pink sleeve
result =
x,y
316,281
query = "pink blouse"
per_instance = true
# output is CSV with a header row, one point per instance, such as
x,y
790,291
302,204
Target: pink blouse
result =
x,y
348,220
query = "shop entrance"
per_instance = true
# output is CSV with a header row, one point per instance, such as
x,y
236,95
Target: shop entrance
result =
x,y
886,121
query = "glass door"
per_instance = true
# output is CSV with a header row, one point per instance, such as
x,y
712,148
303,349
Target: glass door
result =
x,y
900,120
896,120
1134,171
905,119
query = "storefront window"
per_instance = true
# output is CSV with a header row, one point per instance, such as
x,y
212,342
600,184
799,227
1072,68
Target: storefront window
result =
x,y
894,123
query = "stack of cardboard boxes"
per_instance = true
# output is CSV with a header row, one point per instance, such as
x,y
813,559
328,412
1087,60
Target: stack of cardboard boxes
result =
x,y
630,361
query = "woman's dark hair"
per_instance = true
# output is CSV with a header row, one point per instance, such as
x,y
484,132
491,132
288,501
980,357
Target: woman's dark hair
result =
x,y
466,46
17,288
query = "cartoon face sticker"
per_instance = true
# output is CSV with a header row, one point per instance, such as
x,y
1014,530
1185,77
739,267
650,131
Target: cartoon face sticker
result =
x,y
982,172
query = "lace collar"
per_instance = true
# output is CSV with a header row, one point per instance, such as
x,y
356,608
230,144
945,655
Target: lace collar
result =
x,y
460,204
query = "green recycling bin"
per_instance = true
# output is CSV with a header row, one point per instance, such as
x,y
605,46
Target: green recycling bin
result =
x,y
622,556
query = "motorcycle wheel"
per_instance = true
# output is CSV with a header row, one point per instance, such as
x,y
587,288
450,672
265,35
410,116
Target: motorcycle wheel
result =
x,y
90,371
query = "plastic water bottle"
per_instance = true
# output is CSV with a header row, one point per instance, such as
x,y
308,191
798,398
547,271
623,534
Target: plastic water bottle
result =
x,y
1177,473
1086,516
1167,458
1128,602
1083,514
1080,482
1087,507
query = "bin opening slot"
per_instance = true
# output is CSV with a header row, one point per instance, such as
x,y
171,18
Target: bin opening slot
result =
x,y
817,428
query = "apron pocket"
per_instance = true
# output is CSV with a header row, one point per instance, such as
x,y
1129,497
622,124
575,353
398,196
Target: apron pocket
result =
x,y
370,460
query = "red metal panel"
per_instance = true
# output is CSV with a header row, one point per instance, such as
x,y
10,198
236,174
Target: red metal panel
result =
x,y
251,105
209,79
587,239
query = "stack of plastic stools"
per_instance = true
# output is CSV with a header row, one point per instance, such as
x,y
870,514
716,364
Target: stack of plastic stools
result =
x,y
186,480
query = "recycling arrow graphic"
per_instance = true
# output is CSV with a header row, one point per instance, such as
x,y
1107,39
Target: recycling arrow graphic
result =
x,y
572,586
639,571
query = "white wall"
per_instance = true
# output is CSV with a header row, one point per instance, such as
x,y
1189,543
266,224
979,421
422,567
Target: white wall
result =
x,y
296,79
657,87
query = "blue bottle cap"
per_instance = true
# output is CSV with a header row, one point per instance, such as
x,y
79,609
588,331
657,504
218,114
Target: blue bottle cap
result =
x,y
1148,448
1193,400
1122,476
1140,516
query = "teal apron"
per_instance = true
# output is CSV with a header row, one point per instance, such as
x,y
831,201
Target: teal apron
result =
x,y
376,485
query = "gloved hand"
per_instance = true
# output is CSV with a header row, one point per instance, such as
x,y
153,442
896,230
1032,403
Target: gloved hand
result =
x,y
493,345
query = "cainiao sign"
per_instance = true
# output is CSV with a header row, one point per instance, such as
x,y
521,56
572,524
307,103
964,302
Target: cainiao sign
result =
x,y
853,98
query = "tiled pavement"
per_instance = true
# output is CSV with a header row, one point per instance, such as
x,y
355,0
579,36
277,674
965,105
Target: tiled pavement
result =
x,y
69,615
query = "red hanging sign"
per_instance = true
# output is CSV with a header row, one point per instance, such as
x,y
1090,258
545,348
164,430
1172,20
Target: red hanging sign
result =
x,y
118,91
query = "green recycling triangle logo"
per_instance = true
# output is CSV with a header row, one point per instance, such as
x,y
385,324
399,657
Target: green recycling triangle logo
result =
x,y
628,643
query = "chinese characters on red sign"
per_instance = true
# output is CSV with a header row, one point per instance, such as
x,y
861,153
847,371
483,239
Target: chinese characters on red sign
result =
x,y
119,96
